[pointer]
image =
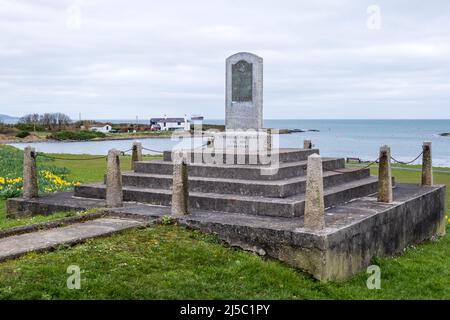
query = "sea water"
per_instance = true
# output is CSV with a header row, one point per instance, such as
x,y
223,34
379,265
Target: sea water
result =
x,y
340,138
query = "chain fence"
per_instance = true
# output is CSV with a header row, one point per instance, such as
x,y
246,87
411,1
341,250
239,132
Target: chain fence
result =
x,y
377,161
409,162
123,153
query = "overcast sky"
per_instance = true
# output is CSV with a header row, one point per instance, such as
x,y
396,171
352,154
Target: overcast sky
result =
x,y
115,59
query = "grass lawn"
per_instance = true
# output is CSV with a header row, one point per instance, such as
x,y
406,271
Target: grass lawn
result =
x,y
83,171
171,262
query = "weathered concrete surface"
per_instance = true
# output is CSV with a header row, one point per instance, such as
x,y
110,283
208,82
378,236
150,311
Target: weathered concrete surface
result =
x,y
427,165
136,154
307,144
249,172
180,189
235,157
314,198
50,224
385,176
51,203
244,92
355,232
30,180
417,215
16,246
262,188
140,211
114,193
286,207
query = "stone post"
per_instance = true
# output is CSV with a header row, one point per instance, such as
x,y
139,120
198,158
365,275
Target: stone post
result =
x,y
180,188
314,217
114,193
30,180
307,144
136,154
427,165
385,176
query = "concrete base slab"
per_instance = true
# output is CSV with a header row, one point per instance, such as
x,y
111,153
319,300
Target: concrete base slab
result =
x,y
16,246
355,232
51,203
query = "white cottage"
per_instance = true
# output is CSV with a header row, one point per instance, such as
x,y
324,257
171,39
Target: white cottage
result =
x,y
171,124
105,129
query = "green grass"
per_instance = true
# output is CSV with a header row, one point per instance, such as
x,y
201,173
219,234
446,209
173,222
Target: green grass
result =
x,y
76,135
81,170
407,176
91,170
171,262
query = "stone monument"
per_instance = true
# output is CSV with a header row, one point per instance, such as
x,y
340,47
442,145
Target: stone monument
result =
x,y
244,92
244,106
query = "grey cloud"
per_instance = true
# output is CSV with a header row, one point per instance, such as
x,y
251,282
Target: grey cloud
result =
x,y
149,58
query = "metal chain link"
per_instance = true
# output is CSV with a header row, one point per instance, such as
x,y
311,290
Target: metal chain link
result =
x,y
77,159
377,161
401,162
203,145
69,159
151,150
359,169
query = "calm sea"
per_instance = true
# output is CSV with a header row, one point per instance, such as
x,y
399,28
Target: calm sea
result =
x,y
342,138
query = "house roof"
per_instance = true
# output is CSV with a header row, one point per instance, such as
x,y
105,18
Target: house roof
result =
x,y
167,119
101,127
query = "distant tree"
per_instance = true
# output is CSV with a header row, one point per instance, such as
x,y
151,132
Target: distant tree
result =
x,y
30,119
62,120
50,121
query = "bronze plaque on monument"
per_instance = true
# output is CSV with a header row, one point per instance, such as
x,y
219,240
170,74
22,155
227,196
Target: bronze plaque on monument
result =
x,y
242,81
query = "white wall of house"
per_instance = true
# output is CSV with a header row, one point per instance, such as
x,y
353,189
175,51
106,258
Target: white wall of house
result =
x,y
104,129
181,125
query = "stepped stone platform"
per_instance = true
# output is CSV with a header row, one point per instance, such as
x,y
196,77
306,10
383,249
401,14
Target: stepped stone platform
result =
x,y
249,208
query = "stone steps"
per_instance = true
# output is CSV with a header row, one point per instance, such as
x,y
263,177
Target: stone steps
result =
x,y
281,207
248,172
263,188
232,158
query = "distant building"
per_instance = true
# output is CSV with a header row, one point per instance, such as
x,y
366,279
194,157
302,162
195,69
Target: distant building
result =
x,y
105,129
171,124
195,117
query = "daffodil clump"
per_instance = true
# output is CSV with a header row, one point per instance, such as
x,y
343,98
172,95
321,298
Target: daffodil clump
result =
x,y
50,178
48,182
10,187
